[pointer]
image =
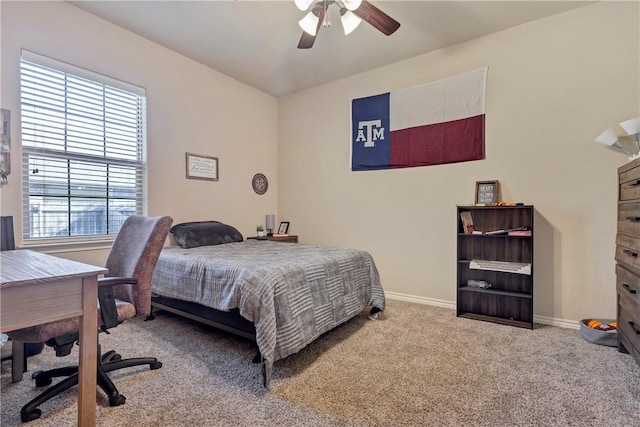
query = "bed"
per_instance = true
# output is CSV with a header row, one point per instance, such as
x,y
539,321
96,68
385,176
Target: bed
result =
x,y
282,295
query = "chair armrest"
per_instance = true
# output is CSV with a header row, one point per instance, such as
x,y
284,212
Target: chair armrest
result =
x,y
111,281
108,309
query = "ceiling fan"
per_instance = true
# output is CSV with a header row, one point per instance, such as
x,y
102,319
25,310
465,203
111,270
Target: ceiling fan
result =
x,y
352,12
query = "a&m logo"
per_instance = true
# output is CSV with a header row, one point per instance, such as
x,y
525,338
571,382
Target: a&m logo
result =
x,y
369,131
370,136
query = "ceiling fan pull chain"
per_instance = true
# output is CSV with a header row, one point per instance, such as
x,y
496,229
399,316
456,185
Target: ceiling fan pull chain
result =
x,y
326,23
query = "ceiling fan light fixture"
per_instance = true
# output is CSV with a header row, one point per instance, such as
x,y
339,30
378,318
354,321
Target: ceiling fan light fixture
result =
x,y
309,23
349,21
350,4
631,127
303,4
608,138
352,12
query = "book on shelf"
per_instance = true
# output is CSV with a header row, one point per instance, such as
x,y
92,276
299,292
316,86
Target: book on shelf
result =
x,y
496,232
467,222
518,231
502,266
280,235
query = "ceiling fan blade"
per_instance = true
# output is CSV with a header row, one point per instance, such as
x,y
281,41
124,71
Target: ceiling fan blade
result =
x,y
307,40
377,18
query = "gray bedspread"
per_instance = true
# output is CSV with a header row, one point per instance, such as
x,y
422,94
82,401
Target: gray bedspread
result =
x,y
293,293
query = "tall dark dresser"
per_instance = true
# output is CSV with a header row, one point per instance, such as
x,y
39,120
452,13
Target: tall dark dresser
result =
x,y
628,259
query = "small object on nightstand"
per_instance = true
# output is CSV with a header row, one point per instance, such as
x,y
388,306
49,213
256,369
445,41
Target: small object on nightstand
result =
x,y
271,224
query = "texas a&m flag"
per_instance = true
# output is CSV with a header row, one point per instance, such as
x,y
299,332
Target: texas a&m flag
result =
x,y
430,124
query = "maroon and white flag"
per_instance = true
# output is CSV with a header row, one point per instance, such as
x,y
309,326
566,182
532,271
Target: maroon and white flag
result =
x,y
430,124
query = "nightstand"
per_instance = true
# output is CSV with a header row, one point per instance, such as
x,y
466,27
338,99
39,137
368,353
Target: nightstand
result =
x,y
287,239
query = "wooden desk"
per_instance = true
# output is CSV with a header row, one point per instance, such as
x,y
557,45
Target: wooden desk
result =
x,y
36,288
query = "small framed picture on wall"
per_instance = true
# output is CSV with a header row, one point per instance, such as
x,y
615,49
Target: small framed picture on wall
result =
x,y
201,167
487,192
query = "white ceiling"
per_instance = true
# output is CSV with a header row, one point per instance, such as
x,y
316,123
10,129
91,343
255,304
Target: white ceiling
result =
x,y
255,42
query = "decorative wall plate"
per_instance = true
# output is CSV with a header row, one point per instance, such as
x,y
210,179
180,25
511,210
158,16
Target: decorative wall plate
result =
x,y
260,183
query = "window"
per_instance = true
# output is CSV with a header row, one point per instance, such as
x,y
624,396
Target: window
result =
x,y
83,162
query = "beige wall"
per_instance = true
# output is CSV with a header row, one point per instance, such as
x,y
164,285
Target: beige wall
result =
x,y
553,86
190,108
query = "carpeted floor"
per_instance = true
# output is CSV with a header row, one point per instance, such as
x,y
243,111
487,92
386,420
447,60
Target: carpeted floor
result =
x,y
416,365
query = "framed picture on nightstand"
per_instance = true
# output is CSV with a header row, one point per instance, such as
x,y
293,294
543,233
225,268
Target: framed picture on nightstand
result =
x,y
284,227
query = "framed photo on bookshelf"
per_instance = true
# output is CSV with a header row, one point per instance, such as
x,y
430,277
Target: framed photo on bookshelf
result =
x,y
487,192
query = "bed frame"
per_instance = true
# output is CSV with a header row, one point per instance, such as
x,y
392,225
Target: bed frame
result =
x,y
230,321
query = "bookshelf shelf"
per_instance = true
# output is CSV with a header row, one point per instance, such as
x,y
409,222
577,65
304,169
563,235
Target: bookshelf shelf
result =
x,y
493,236
493,319
493,291
509,300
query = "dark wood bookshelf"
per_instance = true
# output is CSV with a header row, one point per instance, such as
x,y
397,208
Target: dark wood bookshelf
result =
x,y
509,300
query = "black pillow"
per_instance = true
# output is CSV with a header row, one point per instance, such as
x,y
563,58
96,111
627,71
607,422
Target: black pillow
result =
x,y
204,233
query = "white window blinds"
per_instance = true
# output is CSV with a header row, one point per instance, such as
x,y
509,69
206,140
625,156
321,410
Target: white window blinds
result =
x,y
83,160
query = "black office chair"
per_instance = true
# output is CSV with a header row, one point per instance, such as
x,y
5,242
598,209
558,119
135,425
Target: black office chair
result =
x,y
7,243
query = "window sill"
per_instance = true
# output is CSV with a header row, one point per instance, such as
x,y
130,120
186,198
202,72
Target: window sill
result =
x,y
71,245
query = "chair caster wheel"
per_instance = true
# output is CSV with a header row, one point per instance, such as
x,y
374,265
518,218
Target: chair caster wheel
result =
x,y
117,400
30,416
42,381
110,356
155,366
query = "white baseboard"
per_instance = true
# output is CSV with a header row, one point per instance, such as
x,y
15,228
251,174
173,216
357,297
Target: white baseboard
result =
x,y
420,300
561,323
